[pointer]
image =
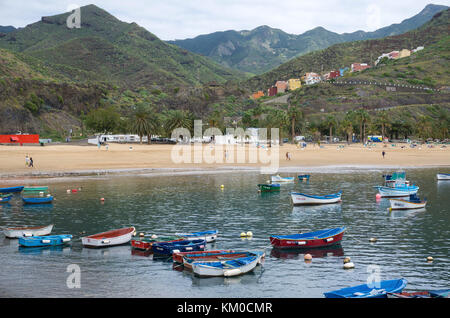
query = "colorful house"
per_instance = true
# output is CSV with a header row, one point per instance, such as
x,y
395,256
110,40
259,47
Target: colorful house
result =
x,y
258,94
312,78
294,83
356,67
272,91
282,86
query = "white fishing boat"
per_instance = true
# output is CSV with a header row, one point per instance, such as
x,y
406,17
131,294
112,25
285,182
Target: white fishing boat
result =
x,y
305,199
110,238
399,191
208,236
19,232
278,178
227,268
414,202
443,176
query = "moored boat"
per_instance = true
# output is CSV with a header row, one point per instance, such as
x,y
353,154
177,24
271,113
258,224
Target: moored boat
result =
x,y
375,290
35,189
11,189
320,238
278,178
443,176
234,267
302,198
19,232
38,200
398,191
109,238
188,260
5,198
304,177
178,256
272,187
168,248
38,241
209,236
145,244
443,293
413,202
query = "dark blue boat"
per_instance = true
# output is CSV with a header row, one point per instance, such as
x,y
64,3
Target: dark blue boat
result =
x,y
379,290
303,177
42,200
5,198
11,190
167,248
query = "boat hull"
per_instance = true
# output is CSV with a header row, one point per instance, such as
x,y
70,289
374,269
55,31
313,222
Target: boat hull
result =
x,y
168,248
387,192
146,245
6,199
178,257
398,204
44,200
269,187
41,241
11,190
110,238
366,291
209,236
28,231
321,238
443,176
226,268
281,179
303,199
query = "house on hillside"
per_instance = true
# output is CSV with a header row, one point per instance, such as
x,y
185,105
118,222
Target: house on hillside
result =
x,y
312,78
294,83
393,55
331,75
419,48
258,94
357,67
282,86
404,53
272,91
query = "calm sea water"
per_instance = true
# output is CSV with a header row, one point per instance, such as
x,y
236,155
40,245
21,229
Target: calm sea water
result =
x,y
169,204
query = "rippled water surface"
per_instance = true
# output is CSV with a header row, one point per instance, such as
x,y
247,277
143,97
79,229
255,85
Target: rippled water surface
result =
x,y
170,204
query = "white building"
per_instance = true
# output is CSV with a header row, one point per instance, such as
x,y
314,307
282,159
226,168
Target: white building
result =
x,y
312,78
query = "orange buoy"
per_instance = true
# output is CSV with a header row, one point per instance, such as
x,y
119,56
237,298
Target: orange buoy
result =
x,y
102,199
308,257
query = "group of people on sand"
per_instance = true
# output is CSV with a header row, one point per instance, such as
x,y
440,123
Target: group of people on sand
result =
x,y
29,162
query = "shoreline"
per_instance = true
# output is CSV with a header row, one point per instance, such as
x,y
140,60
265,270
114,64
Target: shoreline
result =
x,y
58,176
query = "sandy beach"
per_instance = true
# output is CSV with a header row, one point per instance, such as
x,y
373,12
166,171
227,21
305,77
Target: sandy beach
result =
x,y
61,160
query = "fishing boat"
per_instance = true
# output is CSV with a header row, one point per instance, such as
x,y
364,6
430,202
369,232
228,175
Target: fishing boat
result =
x,y
110,238
38,200
5,198
304,177
11,190
398,177
414,202
209,236
368,291
273,187
234,267
168,248
443,176
320,238
302,198
145,244
397,191
178,256
35,189
443,293
188,260
18,232
282,179
39,241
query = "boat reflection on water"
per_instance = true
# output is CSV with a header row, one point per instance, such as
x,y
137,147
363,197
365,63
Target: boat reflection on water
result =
x,y
325,208
109,251
48,207
137,252
319,252
45,250
395,214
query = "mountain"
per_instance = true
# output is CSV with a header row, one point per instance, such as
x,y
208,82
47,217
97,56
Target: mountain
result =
x,y
6,29
109,50
260,50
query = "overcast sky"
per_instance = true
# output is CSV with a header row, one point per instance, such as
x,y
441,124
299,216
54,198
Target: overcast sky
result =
x,y
180,19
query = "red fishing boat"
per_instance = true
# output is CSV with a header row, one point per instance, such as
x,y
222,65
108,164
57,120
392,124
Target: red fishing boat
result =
x,y
307,240
145,244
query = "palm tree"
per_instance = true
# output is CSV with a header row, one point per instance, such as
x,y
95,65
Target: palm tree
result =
x,y
141,123
384,121
295,114
424,127
177,119
363,117
347,127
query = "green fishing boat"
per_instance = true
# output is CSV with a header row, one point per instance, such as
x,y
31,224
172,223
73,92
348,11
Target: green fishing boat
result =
x,y
35,189
274,187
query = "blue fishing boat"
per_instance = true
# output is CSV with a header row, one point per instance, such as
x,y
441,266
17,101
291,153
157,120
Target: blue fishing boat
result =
x,y
39,200
378,290
167,248
304,177
50,240
209,236
11,190
228,268
5,198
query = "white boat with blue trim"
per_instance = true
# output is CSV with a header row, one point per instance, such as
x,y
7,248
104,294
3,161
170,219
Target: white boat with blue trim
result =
x,y
443,176
278,178
305,199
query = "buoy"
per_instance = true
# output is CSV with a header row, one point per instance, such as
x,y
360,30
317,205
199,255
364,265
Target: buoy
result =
x,y
68,191
222,186
430,259
378,196
373,239
102,199
347,260
243,234
74,190
154,236
134,233
349,265
308,257
141,234
249,234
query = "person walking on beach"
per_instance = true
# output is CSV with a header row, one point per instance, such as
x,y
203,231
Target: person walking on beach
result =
x,y
384,154
27,161
31,163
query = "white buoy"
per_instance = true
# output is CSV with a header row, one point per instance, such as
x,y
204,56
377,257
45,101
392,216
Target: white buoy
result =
x,y
249,234
349,265
154,236
373,240
430,259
